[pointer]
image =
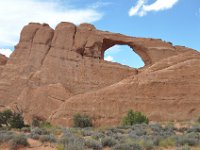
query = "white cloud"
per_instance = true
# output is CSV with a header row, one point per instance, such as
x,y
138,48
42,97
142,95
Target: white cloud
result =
x,y
134,10
110,52
15,14
109,58
99,4
142,7
6,52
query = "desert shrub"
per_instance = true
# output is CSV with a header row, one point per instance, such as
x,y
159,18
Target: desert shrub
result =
x,y
167,142
191,139
182,130
5,116
6,136
47,138
46,125
118,129
41,123
39,131
60,147
35,136
127,146
158,130
70,141
82,121
87,132
17,121
97,135
147,144
134,118
185,147
26,129
194,129
133,134
19,140
11,119
110,133
13,139
155,139
108,141
137,132
93,144
123,127
142,126
35,122
156,127
119,137
113,129
169,129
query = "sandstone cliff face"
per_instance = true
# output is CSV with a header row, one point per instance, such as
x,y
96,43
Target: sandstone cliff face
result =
x,y
3,60
57,73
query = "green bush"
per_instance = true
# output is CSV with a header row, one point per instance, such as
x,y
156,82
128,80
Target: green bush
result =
x,y
82,121
60,147
167,142
134,118
38,122
5,117
46,125
17,121
11,119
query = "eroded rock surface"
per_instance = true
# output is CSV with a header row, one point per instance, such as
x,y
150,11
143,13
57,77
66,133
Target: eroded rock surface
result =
x,y
3,60
54,74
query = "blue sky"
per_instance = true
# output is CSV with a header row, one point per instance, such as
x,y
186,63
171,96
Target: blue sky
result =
x,y
177,21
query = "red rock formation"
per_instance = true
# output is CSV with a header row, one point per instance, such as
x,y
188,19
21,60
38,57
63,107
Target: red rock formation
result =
x,y
3,59
54,74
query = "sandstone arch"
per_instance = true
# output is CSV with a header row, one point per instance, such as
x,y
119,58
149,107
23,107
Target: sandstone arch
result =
x,y
62,72
108,43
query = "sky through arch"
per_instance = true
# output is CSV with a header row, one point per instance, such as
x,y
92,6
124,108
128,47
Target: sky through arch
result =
x,y
124,55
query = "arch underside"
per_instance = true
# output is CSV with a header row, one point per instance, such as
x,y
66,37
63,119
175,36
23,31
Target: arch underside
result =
x,y
138,49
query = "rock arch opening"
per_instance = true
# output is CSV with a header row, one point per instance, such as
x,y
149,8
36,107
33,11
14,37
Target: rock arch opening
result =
x,y
124,55
134,53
